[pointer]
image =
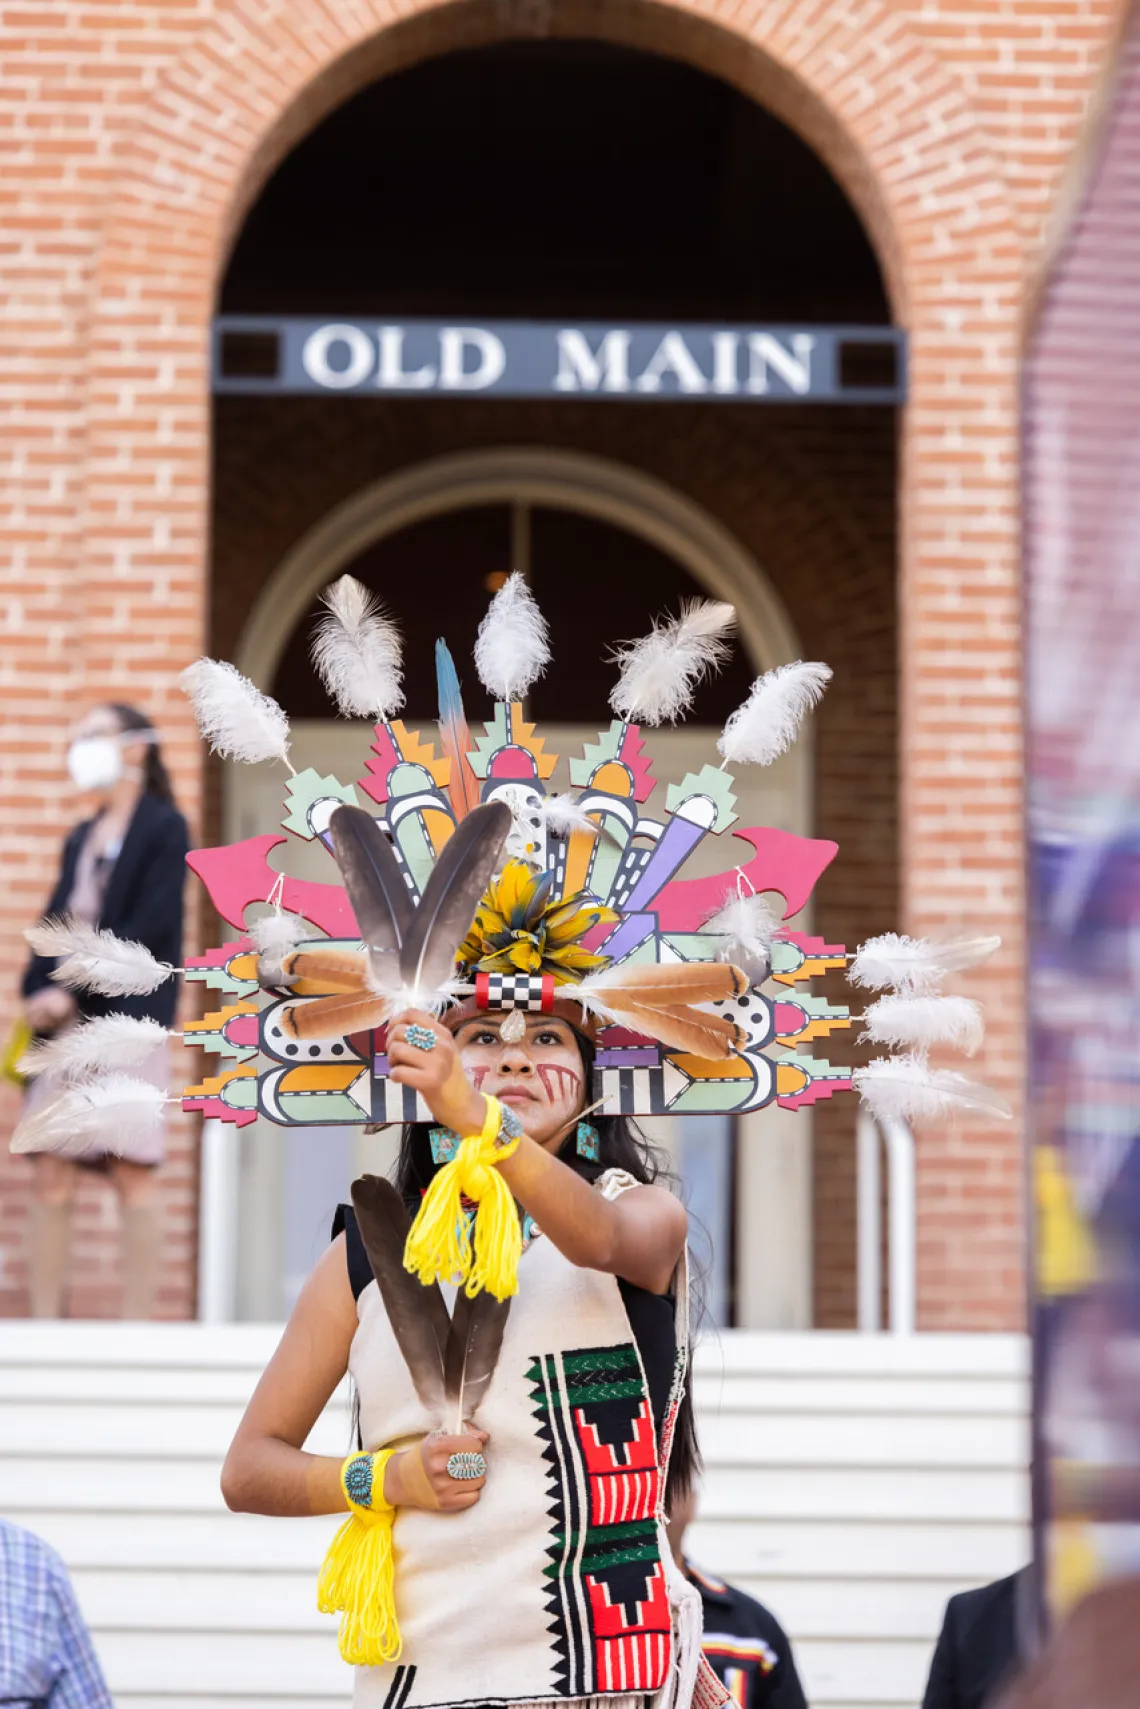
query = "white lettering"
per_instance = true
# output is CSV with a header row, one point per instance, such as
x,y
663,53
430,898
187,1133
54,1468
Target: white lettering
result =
x,y
342,357
317,348
454,342
793,366
581,369
391,372
672,356
725,346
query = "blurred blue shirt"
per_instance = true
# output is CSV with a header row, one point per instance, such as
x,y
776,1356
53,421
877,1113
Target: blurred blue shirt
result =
x,y
46,1655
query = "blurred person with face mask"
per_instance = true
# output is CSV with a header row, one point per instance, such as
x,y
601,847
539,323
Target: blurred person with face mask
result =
x,y
122,870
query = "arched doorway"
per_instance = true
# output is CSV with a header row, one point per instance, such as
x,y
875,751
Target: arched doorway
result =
x,y
418,196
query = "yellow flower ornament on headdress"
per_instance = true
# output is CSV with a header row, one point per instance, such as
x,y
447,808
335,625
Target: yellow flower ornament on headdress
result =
x,y
520,929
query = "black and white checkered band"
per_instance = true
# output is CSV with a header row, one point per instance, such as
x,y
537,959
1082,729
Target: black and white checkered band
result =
x,y
533,992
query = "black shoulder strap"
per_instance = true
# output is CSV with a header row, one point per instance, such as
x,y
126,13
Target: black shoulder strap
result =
x,y
359,1269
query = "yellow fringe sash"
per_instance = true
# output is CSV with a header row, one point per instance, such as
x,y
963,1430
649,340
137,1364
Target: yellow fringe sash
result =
x,y
439,1246
358,1578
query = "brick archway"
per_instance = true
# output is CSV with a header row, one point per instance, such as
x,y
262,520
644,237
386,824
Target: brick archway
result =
x,y
899,133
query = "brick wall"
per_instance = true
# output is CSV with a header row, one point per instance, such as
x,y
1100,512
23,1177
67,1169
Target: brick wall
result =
x,y
134,137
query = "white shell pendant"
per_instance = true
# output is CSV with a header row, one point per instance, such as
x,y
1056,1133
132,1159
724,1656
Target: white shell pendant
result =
x,y
513,1028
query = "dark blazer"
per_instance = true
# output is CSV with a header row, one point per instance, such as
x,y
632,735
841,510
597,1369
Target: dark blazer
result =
x,y
978,1651
143,901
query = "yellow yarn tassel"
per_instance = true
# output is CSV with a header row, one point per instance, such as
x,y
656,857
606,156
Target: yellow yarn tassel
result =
x,y
358,1577
439,1246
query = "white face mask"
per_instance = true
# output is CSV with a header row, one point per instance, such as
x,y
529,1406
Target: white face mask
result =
x,y
95,762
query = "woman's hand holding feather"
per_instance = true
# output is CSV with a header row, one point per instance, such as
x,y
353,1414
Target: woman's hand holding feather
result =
x,y
418,1477
436,1074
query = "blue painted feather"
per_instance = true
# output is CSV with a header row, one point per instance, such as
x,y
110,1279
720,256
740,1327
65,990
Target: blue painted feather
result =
x,y
462,785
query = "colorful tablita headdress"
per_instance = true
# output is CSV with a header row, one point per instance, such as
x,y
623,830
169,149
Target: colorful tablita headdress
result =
x,y
464,879
589,905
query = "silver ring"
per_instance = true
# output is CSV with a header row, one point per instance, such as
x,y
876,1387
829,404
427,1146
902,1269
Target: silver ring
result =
x,y
420,1038
463,1466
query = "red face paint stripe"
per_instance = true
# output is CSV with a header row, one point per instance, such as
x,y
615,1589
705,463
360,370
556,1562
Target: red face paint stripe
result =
x,y
558,1081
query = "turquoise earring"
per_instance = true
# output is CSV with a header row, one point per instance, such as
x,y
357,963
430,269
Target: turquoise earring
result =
x,y
444,1144
588,1145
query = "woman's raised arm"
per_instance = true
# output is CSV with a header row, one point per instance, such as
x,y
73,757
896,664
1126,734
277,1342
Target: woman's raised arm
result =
x,y
638,1236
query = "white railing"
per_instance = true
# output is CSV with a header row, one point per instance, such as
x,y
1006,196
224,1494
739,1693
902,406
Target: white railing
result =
x,y
872,1138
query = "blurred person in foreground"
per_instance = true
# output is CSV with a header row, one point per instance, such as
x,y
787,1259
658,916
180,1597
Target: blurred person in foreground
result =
x,y
122,869
745,1645
47,1660
1092,1661
986,1636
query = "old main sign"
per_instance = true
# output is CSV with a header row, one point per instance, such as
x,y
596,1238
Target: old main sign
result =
x,y
547,359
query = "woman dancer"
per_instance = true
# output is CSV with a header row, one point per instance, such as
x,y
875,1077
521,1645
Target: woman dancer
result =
x,y
529,1561
123,869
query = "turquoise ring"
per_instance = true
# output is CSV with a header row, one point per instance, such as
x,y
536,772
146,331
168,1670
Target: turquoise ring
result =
x,y
420,1038
463,1466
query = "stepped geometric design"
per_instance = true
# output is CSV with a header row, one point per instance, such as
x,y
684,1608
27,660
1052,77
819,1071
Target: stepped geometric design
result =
x,y
608,1607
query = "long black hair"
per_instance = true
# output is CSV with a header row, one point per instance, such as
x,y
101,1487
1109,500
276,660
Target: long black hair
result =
x,y
621,1145
156,778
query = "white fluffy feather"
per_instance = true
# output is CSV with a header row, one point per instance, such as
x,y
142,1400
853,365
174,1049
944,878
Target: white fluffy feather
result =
x,y
94,960
562,814
660,673
906,1088
767,724
118,1114
745,920
108,1044
923,1021
914,965
511,650
277,933
237,720
356,650
274,935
